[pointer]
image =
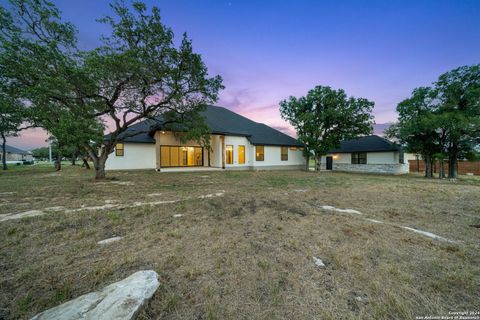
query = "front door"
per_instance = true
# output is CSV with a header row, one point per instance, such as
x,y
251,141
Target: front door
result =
x,y
329,163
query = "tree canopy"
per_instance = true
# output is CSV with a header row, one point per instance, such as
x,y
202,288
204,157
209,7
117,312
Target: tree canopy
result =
x,y
442,120
137,73
325,117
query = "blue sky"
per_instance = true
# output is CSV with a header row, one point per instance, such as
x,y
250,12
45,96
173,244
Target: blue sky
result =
x,y
269,50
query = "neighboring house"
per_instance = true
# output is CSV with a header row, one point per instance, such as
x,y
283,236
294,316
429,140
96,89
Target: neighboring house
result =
x,y
236,143
16,155
368,154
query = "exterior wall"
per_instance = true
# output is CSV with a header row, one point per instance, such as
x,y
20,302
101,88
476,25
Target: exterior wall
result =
x,y
136,156
163,138
377,162
147,156
397,168
17,156
235,142
272,159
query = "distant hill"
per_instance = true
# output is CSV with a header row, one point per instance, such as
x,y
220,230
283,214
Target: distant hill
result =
x,y
378,128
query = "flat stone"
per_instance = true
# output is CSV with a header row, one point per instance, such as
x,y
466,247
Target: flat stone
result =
x,y
318,262
109,240
330,208
375,221
428,234
178,215
120,301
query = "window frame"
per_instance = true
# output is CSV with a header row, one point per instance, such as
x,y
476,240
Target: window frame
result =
x,y
241,160
283,155
226,152
356,158
260,156
122,149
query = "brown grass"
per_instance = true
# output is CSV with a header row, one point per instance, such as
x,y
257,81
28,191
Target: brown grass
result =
x,y
249,253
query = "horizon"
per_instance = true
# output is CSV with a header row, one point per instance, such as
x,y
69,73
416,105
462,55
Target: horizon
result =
x,y
265,55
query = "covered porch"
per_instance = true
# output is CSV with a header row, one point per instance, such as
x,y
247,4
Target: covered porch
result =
x,y
174,156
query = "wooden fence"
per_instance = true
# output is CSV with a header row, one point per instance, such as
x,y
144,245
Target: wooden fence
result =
x,y
464,167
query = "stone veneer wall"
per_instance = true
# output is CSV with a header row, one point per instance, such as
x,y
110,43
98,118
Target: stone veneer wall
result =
x,y
395,168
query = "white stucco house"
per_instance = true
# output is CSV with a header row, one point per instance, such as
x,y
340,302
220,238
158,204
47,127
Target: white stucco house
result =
x,y
372,154
236,143
15,155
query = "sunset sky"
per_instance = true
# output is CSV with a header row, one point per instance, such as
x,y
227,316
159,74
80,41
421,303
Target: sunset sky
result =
x,y
268,50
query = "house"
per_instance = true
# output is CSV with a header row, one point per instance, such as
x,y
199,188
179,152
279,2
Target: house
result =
x,y
367,154
16,155
236,143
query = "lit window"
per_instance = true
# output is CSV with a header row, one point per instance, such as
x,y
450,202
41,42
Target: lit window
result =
x,y
229,150
359,158
119,150
284,155
259,153
241,154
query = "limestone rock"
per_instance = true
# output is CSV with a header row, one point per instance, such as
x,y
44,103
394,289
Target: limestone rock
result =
x,y
120,300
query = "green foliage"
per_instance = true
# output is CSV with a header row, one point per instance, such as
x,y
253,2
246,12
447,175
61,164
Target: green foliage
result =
x,y
137,73
443,120
325,116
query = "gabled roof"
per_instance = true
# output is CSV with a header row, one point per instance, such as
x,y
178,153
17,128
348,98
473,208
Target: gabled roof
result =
x,y
371,143
11,149
220,121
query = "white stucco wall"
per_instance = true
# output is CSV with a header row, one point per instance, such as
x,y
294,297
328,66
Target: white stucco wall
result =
x,y
136,156
272,158
235,142
372,158
143,156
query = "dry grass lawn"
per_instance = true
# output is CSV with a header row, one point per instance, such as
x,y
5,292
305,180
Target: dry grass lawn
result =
x,y
246,253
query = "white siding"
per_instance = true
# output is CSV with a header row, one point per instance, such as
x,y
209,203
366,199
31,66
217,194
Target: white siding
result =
x,y
372,158
235,142
273,157
136,156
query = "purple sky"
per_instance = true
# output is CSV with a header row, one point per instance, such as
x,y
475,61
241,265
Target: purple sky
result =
x,y
268,50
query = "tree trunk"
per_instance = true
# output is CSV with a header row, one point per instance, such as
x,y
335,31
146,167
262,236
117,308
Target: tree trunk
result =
x,y
318,162
58,163
307,165
99,162
4,152
428,167
100,170
441,171
452,166
73,160
85,163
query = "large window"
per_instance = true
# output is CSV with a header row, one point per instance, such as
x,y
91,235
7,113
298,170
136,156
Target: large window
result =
x,y
241,154
284,154
359,158
119,150
175,156
229,151
259,153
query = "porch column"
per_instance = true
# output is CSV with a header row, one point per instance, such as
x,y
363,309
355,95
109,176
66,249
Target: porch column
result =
x,y
157,150
222,138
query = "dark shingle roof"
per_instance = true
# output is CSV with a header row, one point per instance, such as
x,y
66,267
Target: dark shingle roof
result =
x,y
220,121
366,144
11,149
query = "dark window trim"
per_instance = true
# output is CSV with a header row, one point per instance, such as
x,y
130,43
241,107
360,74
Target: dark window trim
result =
x,y
239,147
262,156
284,156
233,154
170,156
117,150
359,158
